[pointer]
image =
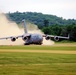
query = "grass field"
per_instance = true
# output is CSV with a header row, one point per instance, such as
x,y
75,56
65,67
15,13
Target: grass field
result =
x,y
38,60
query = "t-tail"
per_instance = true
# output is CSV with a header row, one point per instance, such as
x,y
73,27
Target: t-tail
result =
x,y
25,28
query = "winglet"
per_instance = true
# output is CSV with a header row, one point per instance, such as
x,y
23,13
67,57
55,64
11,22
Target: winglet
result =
x,y
68,36
25,29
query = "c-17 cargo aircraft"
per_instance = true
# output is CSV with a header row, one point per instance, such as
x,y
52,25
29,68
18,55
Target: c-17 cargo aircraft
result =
x,y
33,38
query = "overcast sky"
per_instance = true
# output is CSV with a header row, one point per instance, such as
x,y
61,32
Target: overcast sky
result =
x,y
60,8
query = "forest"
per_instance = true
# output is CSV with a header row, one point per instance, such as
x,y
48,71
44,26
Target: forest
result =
x,y
49,24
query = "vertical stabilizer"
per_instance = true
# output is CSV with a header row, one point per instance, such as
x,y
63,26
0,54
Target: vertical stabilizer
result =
x,y
25,28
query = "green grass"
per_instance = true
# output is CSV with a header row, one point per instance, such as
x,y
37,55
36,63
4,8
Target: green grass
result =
x,y
26,63
36,58
39,47
37,64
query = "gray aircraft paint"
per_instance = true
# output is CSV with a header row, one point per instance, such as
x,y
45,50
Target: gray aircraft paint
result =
x,y
35,39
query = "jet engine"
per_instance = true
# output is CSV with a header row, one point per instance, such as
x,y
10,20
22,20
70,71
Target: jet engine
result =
x,y
24,38
47,37
13,39
56,38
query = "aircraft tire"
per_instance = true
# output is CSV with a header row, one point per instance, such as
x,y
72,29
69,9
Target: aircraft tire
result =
x,y
26,43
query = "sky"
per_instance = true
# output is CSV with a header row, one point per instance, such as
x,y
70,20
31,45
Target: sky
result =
x,y
60,8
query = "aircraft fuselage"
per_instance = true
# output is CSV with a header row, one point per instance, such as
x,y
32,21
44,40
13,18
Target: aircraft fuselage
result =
x,y
34,39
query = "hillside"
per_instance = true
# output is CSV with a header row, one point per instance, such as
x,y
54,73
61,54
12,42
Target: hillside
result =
x,y
38,18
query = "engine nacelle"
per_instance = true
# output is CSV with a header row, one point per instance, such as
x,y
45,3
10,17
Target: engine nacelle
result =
x,y
47,37
56,38
13,39
24,38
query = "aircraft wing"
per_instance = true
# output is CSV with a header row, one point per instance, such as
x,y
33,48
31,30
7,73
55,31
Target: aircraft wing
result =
x,y
10,37
56,38
5,38
13,38
62,37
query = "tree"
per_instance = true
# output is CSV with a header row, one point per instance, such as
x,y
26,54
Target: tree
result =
x,y
46,23
46,30
69,30
73,33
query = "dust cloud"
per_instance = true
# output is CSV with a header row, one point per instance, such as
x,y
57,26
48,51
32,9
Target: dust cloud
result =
x,y
8,28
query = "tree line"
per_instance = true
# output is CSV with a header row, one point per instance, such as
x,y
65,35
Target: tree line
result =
x,y
61,30
49,24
